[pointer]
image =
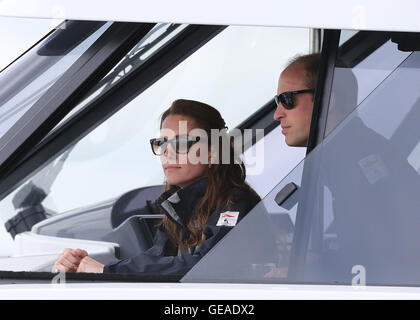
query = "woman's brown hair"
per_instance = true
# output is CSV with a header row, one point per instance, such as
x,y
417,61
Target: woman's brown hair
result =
x,y
221,177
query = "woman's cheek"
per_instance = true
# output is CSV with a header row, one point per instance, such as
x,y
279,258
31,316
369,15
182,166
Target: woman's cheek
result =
x,y
183,159
194,157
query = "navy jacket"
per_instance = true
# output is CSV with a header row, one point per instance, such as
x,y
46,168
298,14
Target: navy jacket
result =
x,y
163,257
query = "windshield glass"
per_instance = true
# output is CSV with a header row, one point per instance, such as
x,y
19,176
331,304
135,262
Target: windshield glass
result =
x,y
125,158
20,37
358,196
365,223
160,35
258,249
236,72
26,80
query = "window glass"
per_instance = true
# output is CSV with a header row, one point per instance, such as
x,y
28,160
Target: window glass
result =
x,y
118,151
258,248
358,191
160,34
236,72
26,80
20,34
369,72
346,35
269,161
366,219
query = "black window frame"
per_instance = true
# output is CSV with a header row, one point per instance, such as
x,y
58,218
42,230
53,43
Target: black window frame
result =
x,y
303,223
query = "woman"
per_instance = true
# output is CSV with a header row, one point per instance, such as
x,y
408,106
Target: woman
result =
x,y
203,198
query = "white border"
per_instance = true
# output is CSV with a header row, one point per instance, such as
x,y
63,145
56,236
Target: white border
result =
x,y
190,291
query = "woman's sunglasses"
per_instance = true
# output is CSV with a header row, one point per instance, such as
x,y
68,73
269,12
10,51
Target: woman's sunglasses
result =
x,y
286,98
180,144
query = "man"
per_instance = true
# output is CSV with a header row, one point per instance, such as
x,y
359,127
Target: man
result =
x,y
295,95
295,98
373,207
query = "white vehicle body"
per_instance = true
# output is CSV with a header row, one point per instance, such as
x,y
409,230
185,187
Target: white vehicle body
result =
x,y
351,14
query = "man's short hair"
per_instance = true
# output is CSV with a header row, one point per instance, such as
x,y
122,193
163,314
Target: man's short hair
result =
x,y
310,63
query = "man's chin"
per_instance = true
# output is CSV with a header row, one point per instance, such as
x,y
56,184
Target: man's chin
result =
x,y
295,143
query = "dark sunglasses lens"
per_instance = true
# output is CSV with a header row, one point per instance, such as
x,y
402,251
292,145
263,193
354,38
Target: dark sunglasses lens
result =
x,y
286,100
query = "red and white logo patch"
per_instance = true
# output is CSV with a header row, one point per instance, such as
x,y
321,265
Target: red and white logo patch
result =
x,y
228,219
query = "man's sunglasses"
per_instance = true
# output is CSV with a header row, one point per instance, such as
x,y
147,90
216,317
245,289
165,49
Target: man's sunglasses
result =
x,y
180,144
286,98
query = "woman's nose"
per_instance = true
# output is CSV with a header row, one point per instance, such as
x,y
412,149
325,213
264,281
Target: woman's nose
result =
x,y
170,154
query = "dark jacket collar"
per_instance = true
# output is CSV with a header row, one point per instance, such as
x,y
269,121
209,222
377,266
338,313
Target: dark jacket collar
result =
x,y
179,204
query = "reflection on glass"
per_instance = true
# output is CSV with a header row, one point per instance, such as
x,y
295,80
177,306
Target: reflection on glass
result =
x,y
25,81
368,74
258,248
160,35
368,186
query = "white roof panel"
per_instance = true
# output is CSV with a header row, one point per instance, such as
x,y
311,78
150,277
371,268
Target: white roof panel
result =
x,y
399,15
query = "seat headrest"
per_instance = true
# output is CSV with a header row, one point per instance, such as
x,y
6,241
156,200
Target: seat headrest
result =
x,y
134,202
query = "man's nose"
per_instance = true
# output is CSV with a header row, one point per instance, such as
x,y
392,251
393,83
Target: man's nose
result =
x,y
279,113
